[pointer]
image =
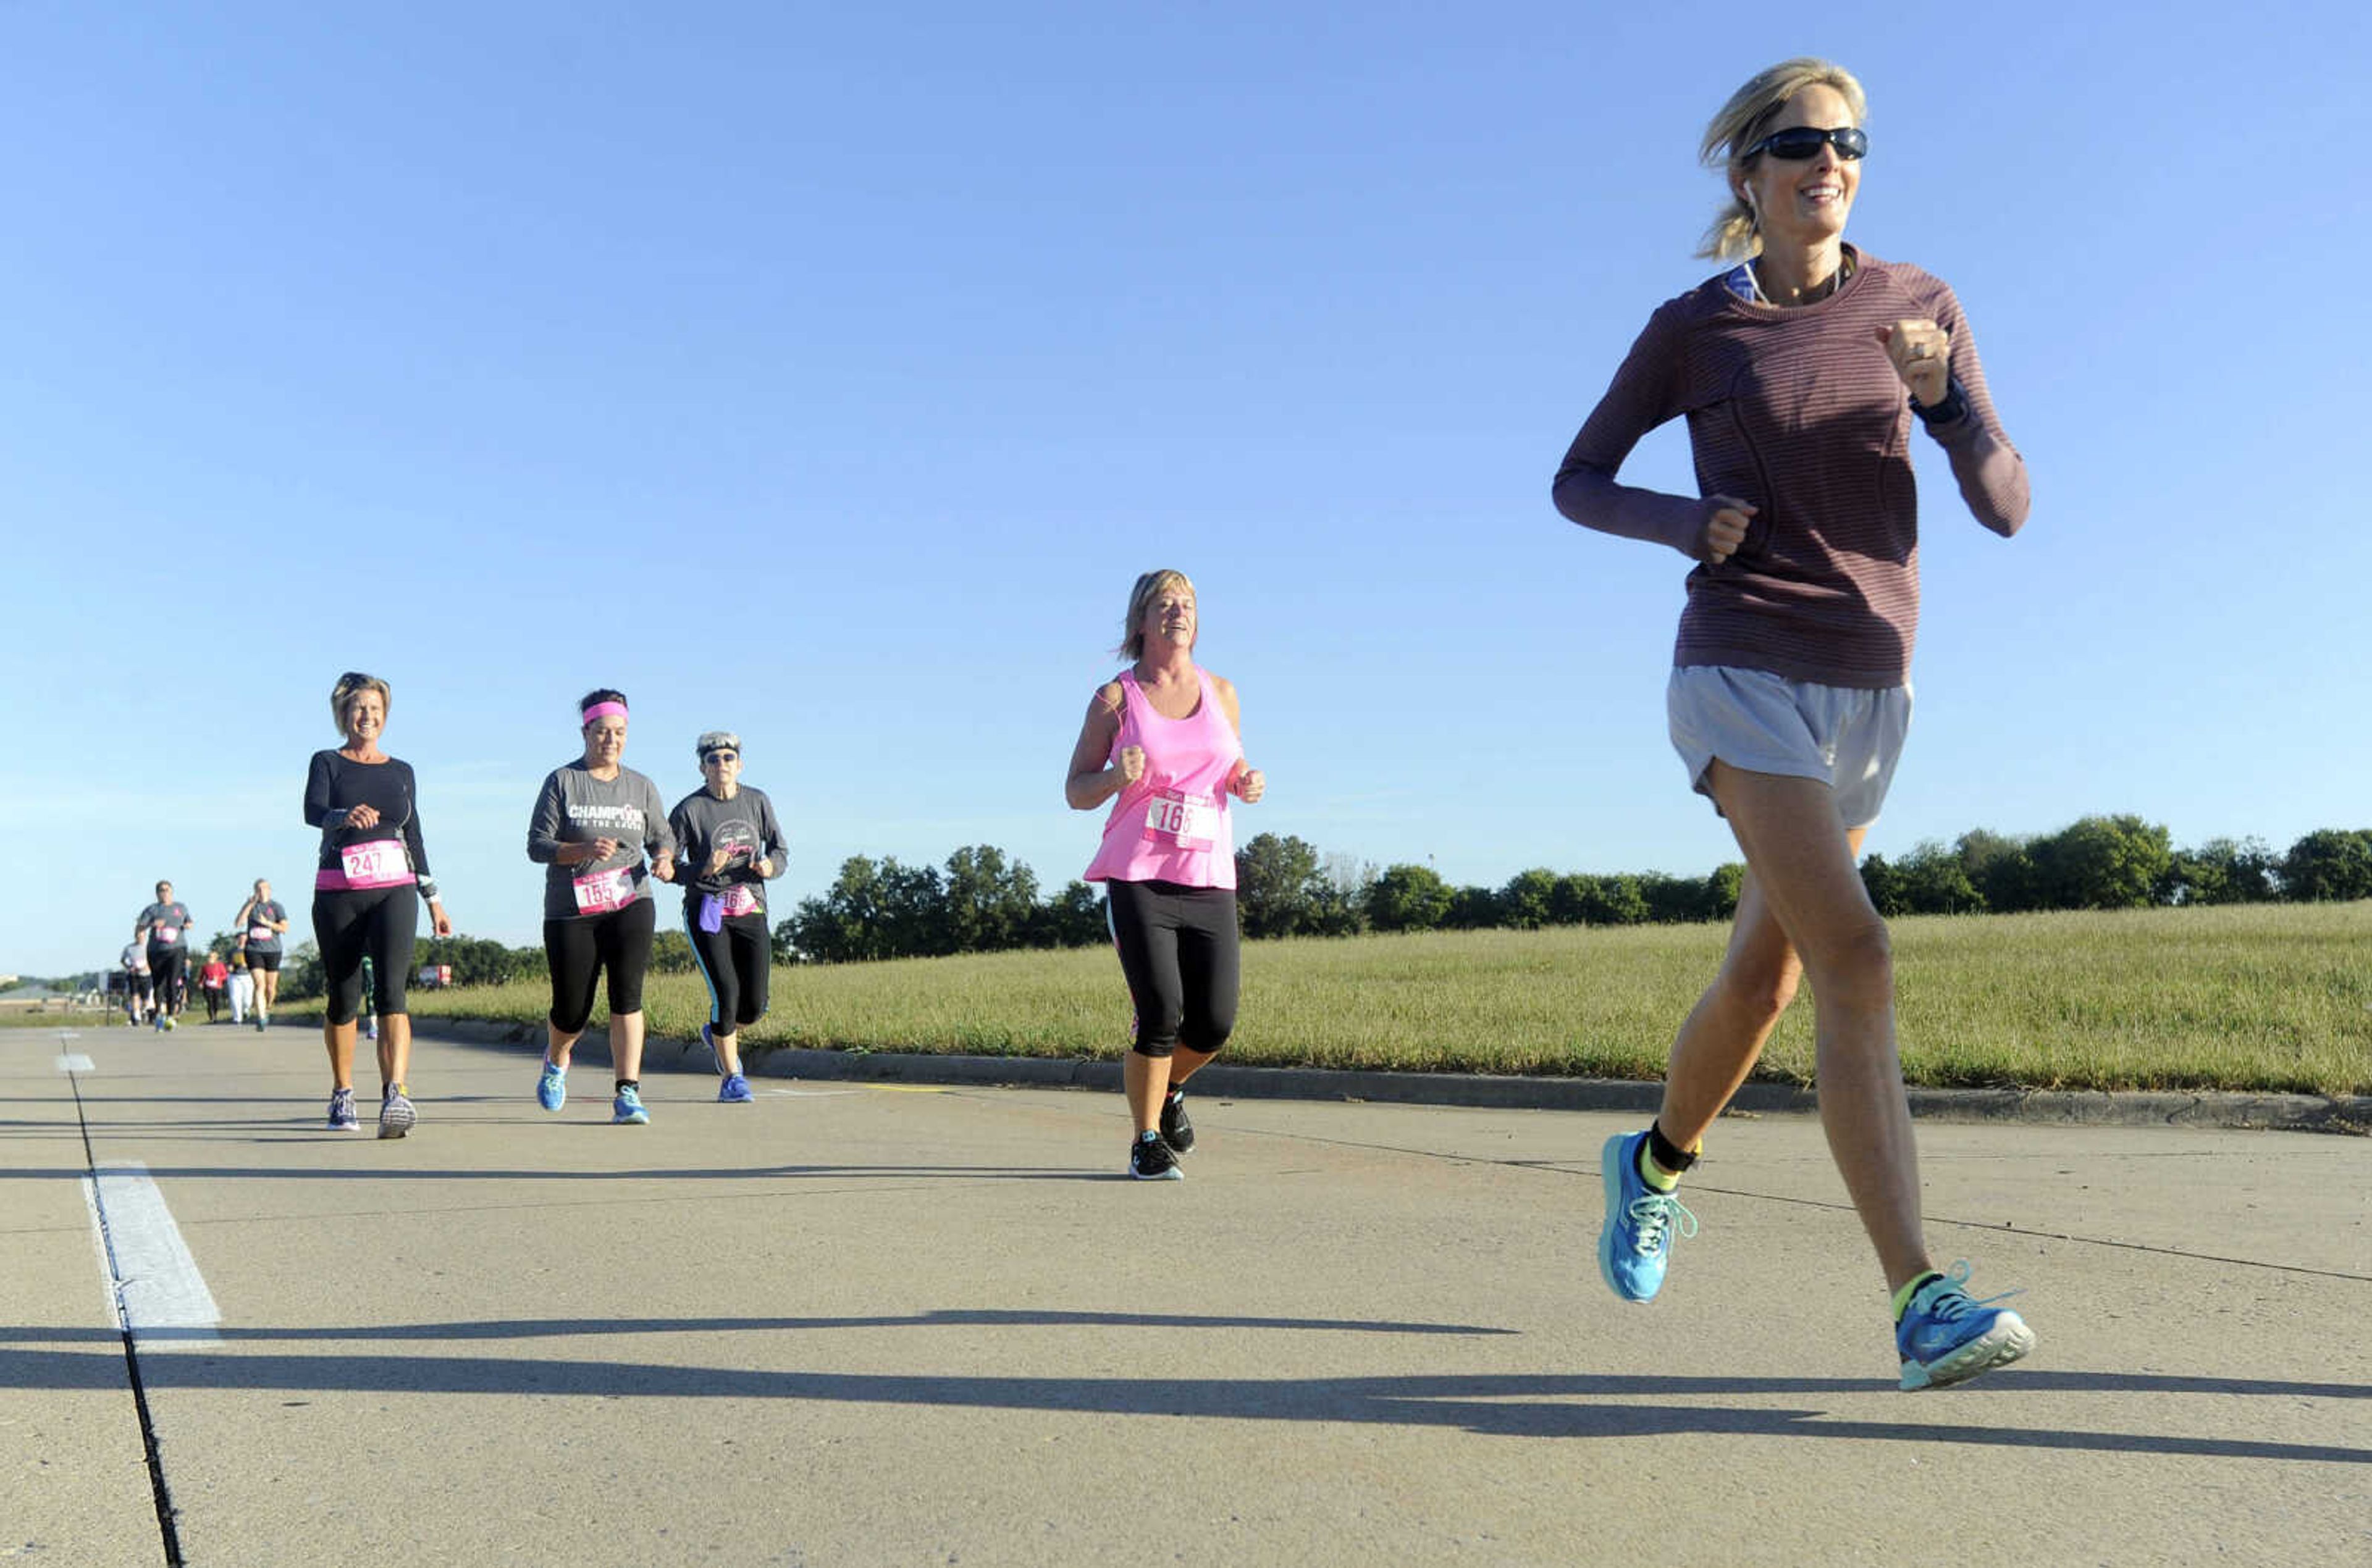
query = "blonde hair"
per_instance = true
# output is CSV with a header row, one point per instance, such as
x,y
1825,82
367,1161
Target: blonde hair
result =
x,y
351,685
1734,235
1132,628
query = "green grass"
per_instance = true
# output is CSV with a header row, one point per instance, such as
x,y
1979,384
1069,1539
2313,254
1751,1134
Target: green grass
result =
x,y
2267,998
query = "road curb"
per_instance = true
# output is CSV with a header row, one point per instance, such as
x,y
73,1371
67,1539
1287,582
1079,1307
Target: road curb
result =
x,y
2288,1113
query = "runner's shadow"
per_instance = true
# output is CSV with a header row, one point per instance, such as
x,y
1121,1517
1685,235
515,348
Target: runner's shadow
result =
x,y
1552,1405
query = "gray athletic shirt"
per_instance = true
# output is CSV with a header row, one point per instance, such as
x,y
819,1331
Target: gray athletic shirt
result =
x,y
744,827
575,807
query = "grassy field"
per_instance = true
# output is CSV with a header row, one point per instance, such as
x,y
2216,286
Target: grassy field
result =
x,y
2261,997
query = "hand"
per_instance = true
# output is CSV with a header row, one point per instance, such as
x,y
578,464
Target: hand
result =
x,y
717,860
1250,784
438,921
1922,353
362,817
1131,765
1725,529
663,867
764,867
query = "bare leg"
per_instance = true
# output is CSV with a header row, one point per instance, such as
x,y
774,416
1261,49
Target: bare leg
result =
x,y
394,1049
1183,1064
1803,859
729,1053
558,1045
626,1044
1147,1079
341,1040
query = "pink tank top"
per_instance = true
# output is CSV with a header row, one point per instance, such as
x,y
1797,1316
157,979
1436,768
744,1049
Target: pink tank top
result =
x,y
1173,825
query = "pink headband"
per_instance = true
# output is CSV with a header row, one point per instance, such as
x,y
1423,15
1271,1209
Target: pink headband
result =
x,y
601,710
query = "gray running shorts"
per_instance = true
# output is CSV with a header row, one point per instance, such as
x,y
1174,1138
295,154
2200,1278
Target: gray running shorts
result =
x,y
1848,737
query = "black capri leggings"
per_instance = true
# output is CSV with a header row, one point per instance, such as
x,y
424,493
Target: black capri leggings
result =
x,y
375,923
165,968
1178,948
579,950
735,961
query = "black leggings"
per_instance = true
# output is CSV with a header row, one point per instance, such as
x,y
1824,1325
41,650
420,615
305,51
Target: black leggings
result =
x,y
377,923
1178,948
578,951
736,961
165,969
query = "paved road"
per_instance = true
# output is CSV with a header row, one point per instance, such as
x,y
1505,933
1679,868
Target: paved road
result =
x,y
857,1325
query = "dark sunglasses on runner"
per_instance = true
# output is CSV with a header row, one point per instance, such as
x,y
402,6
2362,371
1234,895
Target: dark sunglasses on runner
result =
x,y
1799,142
717,757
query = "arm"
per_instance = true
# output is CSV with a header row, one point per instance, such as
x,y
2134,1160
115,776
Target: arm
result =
x,y
658,841
1643,394
1095,777
417,848
319,812
1990,474
1248,784
544,823
777,858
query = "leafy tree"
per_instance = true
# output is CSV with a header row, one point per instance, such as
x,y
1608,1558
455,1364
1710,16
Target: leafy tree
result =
x,y
987,903
1674,899
1072,918
2223,871
1276,884
2000,869
1722,889
1474,909
671,952
1935,881
300,973
2101,862
1408,898
1883,882
1613,901
1530,900
2329,864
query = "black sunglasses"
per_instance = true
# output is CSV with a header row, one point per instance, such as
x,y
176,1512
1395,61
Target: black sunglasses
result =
x,y
709,757
1799,142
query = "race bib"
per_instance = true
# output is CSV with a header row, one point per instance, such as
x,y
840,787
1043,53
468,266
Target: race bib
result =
x,y
260,935
378,864
165,935
605,890
739,899
1185,821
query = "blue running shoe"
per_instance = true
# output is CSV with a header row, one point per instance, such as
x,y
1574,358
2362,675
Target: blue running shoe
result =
x,y
1945,1338
552,1089
342,1111
735,1091
627,1110
1636,1237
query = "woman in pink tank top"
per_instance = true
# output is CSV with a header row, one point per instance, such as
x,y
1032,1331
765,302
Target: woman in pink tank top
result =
x,y
1161,743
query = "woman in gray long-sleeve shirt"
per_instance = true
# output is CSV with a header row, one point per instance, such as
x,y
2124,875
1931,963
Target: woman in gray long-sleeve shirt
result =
x,y
732,846
1800,372
594,821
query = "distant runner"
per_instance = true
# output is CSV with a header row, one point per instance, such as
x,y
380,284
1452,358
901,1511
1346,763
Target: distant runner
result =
x,y
164,927
373,872
263,923
1161,742
728,844
593,821
139,996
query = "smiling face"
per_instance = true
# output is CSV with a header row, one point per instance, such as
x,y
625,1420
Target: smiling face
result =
x,y
605,740
1169,618
365,718
722,770
1803,202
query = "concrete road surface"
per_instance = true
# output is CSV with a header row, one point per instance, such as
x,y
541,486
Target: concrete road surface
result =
x,y
857,1325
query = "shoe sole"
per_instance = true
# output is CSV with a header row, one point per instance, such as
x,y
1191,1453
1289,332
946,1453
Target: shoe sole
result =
x,y
616,1121
395,1120
2008,1339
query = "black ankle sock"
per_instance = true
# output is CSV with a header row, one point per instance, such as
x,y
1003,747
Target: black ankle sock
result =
x,y
635,1084
1662,1151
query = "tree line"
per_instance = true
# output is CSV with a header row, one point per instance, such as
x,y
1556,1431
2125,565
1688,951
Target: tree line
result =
x,y
981,900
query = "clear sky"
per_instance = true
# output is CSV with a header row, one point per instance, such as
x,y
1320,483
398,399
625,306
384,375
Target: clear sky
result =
x,y
829,372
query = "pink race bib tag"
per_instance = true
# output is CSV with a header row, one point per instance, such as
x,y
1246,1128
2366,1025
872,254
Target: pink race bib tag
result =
x,y
1185,821
259,935
378,864
741,898
605,890
167,936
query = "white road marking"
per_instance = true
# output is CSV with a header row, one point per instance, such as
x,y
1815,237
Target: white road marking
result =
x,y
163,1299
70,1063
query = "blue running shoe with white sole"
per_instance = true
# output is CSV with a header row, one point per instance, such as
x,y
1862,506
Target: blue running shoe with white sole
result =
x,y
627,1110
735,1090
1945,1337
395,1113
552,1088
1636,1238
342,1111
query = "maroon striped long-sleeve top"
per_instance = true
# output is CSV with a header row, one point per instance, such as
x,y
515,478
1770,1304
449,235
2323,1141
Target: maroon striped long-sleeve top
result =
x,y
1799,412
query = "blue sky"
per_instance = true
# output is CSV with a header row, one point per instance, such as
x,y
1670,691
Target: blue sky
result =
x,y
829,376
